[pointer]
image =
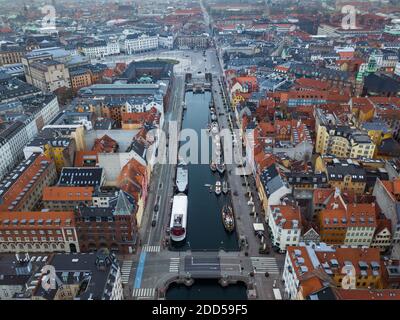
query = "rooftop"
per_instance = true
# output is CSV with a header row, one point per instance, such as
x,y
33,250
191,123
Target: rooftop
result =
x,y
81,176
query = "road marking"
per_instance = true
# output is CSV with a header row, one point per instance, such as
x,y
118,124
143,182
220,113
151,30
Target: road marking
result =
x,y
231,265
174,264
265,264
148,248
144,292
126,271
140,269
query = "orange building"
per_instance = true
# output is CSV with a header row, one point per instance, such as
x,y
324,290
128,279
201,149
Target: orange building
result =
x,y
59,198
22,188
333,226
353,225
80,78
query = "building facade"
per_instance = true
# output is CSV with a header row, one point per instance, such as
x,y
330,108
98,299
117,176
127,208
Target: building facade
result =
x,y
23,187
27,231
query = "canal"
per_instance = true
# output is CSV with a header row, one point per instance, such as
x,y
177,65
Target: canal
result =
x,y
205,230
206,290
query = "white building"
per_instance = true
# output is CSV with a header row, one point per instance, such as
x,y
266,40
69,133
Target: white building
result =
x,y
284,222
15,136
166,41
139,43
100,49
299,261
397,69
382,237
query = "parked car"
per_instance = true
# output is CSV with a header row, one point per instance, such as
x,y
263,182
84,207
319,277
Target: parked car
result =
x,y
156,207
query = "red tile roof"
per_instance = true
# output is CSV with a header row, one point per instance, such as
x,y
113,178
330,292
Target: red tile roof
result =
x,y
25,178
289,213
105,145
365,294
312,83
59,193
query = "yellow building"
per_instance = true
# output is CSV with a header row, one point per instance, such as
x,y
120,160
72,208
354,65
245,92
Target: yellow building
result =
x,y
62,151
344,142
362,108
79,136
377,131
347,175
339,140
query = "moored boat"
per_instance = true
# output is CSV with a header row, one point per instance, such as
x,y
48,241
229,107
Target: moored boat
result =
x,y
218,188
228,218
214,128
179,218
182,178
221,167
213,166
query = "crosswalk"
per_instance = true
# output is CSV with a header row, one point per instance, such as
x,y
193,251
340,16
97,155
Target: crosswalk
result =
x,y
265,264
126,271
148,248
174,265
144,292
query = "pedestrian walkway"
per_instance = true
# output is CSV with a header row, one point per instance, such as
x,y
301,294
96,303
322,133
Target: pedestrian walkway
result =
x,y
174,265
126,271
265,264
143,292
147,248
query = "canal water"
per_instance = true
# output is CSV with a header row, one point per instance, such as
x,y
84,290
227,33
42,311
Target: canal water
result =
x,y
205,230
206,290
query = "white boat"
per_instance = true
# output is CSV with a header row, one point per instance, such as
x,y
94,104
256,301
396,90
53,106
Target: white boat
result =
x,y
221,167
184,105
214,128
182,178
218,188
179,218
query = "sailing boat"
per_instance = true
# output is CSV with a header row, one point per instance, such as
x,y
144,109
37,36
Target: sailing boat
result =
x,y
228,218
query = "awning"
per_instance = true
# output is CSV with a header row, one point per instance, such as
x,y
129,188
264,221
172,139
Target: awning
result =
x,y
258,227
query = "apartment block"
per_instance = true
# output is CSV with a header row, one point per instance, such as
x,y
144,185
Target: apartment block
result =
x,y
23,187
284,222
28,231
328,264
